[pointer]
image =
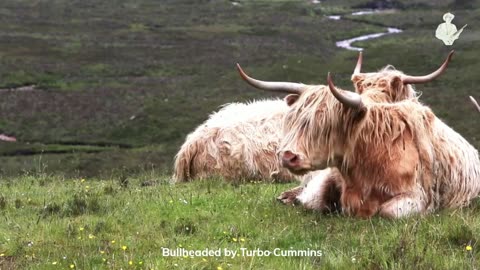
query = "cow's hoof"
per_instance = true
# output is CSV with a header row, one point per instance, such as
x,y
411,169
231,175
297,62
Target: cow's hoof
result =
x,y
290,196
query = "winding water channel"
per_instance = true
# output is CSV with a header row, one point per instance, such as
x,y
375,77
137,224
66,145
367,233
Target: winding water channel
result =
x,y
347,44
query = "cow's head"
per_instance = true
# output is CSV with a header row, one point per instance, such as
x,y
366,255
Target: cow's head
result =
x,y
317,126
314,113
390,85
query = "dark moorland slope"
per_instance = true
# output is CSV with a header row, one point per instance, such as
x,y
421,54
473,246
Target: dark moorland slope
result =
x,y
119,84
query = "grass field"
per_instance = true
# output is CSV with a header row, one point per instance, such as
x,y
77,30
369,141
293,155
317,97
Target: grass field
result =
x,y
117,85
53,223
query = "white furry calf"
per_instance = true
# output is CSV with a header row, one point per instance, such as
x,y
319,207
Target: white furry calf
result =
x,y
319,191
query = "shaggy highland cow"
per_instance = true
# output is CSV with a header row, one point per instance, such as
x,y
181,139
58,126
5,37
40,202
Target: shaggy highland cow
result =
x,y
238,142
388,85
396,159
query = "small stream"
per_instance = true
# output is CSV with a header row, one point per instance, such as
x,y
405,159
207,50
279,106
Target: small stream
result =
x,y
347,44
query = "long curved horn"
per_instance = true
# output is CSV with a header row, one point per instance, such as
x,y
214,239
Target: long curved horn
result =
x,y
358,67
285,87
423,79
475,103
350,99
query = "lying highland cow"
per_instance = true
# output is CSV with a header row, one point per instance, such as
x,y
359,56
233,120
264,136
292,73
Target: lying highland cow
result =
x,y
238,142
396,159
318,191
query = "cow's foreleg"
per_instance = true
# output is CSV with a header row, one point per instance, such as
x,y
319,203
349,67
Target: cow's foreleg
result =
x,y
402,205
322,192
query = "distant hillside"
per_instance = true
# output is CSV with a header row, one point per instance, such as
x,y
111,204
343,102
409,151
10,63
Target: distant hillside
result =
x,y
116,85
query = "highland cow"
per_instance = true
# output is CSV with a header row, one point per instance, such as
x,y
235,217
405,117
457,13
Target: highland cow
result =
x,y
238,142
396,159
391,85
388,85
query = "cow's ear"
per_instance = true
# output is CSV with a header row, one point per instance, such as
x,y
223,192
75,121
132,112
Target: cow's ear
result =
x,y
357,80
396,85
290,99
357,77
396,82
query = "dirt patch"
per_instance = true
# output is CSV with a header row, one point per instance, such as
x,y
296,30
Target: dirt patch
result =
x,y
7,263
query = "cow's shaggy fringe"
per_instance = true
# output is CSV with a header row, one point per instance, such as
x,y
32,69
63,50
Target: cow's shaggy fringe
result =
x,y
238,142
303,126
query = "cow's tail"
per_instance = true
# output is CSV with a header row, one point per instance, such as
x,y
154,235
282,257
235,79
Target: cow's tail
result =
x,y
183,168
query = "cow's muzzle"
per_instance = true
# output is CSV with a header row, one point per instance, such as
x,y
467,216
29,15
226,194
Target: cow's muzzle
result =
x,y
294,162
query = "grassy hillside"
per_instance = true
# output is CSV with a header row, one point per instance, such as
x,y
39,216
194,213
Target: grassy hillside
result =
x,y
58,223
131,78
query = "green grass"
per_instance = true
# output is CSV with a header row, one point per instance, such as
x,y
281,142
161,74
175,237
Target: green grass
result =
x,y
49,220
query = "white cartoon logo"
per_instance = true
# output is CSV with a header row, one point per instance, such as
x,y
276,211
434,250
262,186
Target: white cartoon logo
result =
x,y
447,31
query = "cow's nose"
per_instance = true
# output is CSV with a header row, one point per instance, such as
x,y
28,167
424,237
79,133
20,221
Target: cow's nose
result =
x,y
290,159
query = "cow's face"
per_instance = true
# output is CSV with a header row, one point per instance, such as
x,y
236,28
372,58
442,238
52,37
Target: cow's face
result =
x,y
390,85
305,145
383,86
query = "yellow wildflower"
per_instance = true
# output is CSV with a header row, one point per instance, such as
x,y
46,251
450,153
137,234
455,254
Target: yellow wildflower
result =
x,y
234,239
103,259
72,266
124,247
219,268
130,262
140,262
91,236
242,239
54,263
205,260
102,251
3,254
113,242
82,180
468,248
170,201
81,229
